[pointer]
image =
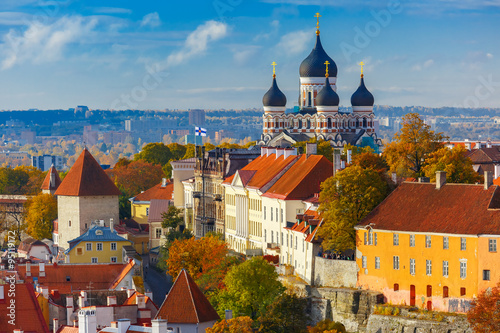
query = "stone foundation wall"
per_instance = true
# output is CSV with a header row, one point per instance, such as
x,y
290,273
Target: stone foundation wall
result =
x,y
386,324
335,273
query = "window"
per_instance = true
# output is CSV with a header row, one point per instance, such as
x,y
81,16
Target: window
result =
x,y
158,232
113,259
395,262
427,241
265,235
281,214
428,267
412,240
147,211
375,238
377,262
492,245
395,239
99,246
69,223
79,251
463,243
363,262
396,286
264,212
429,290
462,291
463,269
446,243
113,246
445,292
445,268
89,246
287,240
486,275
277,215
94,260
366,236
282,242
296,241
271,213
272,236
412,266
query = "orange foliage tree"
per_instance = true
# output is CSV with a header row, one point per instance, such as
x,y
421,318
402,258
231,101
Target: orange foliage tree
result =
x,y
234,325
485,314
205,259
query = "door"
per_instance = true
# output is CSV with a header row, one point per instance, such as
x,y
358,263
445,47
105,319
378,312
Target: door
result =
x,y
412,295
429,305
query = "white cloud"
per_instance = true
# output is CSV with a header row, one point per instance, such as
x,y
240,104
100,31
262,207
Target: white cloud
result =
x,y
14,18
197,42
112,10
43,43
426,64
294,42
151,20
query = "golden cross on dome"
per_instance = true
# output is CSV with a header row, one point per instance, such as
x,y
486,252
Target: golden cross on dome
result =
x,y
327,63
317,16
361,64
274,69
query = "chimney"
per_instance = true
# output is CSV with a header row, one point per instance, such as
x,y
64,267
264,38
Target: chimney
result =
x,y
158,326
440,179
263,151
228,314
69,308
55,325
163,182
271,150
349,156
140,301
52,180
488,144
424,179
87,322
45,292
130,292
488,179
111,224
81,302
311,149
123,325
290,152
114,324
111,300
41,269
279,152
149,294
28,268
18,331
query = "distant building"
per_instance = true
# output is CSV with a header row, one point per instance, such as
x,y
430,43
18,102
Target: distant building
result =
x,y
196,117
193,139
44,162
28,137
16,155
32,248
181,170
85,195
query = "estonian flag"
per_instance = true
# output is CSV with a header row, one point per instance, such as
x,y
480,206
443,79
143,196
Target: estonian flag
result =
x,y
198,131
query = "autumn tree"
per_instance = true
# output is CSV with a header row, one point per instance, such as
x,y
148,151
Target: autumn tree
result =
x,y
286,314
233,325
13,181
155,153
206,259
484,317
457,165
327,325
40,212
344,200
411,146
173,221
250,288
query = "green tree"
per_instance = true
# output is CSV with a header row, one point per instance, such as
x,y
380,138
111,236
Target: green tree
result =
x,y
286,314
40,212
178,151
344,200
13,181
411,146
156,153
327,326
458,167
250,288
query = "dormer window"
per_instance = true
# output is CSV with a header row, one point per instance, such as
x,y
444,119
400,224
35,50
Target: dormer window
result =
x,y
98,232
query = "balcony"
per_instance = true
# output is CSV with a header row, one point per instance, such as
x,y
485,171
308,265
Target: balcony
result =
x,y
197,195
217,197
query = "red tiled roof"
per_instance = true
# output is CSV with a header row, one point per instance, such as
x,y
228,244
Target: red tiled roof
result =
x,y
156,192
101,275
46,182
185,303
26,245
156,208
303,179
132,300
28,315
122,275
67,329
485,155
87,178
453,209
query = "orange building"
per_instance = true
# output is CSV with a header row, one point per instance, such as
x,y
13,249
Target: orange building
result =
x,y
432,245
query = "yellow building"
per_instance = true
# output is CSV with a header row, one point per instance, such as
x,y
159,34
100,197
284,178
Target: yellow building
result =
x,y
141,203
98,245
432,245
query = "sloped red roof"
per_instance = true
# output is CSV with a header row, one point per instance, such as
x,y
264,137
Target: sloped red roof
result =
x,y
122,275
484,155
101,275
156,192
132,299
186,304
46,182
303,179
156,209
453,209
87,178
26,245
28,315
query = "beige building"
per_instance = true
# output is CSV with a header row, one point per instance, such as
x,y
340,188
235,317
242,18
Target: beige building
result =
x,y
181,170
85,195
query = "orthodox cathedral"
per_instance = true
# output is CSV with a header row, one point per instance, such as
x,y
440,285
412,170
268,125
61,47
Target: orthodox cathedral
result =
x,y
317,114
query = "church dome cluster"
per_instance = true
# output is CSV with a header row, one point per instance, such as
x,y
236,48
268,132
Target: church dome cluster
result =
x,y
317,113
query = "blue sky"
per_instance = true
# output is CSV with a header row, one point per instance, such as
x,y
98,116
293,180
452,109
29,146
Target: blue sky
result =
x,y
218,53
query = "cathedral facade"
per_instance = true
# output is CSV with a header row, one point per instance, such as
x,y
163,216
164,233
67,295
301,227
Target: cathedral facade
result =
x,y
317,114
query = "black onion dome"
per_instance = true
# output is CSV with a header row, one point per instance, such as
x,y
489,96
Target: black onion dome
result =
x,y
314,64
274,96
362,97
327,96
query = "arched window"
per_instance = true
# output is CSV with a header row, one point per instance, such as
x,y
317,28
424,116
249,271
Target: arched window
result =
x,y
364,122
300,123
309,98
357,123
308,124
329,123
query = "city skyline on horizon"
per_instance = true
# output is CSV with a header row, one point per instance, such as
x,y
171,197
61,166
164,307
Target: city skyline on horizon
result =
x,y
218,55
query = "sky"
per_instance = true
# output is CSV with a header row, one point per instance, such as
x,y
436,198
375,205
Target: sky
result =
x,y
214,54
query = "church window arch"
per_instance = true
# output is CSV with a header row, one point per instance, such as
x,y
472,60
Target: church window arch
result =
x,y
309,98
308,123
329,123
357,122
300,123
364,122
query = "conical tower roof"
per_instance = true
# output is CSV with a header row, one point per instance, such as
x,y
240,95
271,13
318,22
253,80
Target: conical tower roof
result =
x,y
47,185
87,178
